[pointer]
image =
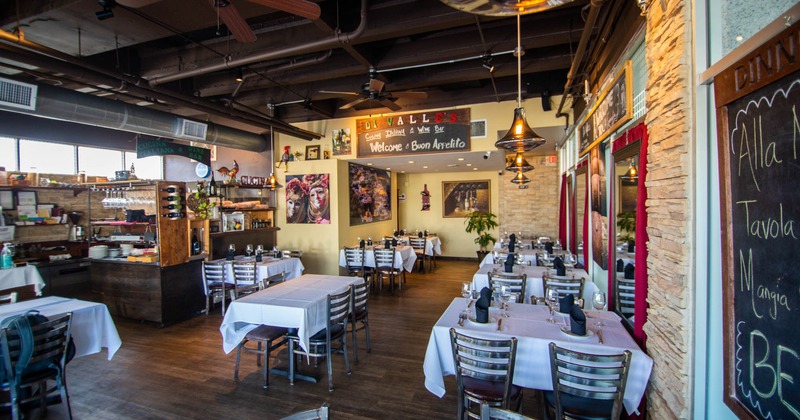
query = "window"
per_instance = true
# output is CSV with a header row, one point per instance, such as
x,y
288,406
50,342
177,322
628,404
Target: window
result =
x,y
49,158
146,168
100,162
8,153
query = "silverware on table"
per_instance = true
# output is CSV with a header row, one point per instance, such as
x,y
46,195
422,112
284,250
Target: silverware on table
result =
x,y
500,324
600,335
470,304
461,318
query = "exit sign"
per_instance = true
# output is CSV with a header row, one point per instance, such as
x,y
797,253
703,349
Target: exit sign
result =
x,y
551,161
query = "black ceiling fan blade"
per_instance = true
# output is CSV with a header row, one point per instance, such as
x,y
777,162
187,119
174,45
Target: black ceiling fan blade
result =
x,y
337,92
389,104
409,94
354,103
376,85
234,21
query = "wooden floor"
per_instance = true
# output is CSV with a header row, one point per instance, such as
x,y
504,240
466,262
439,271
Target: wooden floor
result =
x,y
181,372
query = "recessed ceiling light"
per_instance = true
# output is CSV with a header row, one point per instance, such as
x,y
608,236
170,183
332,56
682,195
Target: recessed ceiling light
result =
x,y
474,169
369,164
410,161
469,164
402,172
424,167
739,38
388,169
460,158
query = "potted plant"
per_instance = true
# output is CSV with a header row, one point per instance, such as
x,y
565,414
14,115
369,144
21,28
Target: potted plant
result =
x,y
481,223
626,223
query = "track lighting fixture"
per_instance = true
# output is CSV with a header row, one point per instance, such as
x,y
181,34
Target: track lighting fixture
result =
x,y
107,11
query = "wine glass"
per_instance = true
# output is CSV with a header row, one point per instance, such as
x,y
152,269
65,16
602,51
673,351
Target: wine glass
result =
x,y
259,249
599,302
505,295
466,292
248,249
552,300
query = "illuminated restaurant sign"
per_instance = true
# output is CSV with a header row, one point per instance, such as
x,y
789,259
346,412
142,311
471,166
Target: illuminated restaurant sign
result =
x,y
410,134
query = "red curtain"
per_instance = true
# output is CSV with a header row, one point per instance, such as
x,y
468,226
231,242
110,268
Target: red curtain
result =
x,y
562,212
586,227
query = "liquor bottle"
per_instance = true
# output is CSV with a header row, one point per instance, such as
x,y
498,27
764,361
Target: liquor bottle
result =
x,y
195,243
173,207
172,189
171,198
212,186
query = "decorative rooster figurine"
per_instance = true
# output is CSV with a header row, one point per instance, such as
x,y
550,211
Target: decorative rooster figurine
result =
x,y
284,159
230,173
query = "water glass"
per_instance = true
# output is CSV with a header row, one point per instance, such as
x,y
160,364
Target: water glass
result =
x,y
552,300
599,302
466,292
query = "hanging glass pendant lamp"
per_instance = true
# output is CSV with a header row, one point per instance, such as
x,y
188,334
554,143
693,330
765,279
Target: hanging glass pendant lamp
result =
x,y
519,164
520,178
520,137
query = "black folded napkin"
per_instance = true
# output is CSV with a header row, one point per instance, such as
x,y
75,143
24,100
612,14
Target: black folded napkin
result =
x,y
629,271
631,246
402,232
558,264
278,254
369,241
387,244
565,303
425,234
548,246
394,241
362,244
231,254
509,264
620,266
419,235
259,258
577,322
482,305
395,233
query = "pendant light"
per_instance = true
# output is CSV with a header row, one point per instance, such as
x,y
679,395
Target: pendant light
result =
x,y
633,171
520,137
520,178
272,181
519,164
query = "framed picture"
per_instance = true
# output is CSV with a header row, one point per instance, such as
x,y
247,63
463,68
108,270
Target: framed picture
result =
x,y
477,129
460,198
7,200
370,194
312,152
26,198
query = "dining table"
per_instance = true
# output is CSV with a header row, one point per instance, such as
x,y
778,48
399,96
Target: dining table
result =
x,y
404,257
534,285
92,327
433,245
269,266
530,325
27,275
529,256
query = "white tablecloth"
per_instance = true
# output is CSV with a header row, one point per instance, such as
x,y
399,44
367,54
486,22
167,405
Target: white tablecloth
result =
x,y
293,268
404,257
300,303
21,276
92,327
433,244
532,368
534,284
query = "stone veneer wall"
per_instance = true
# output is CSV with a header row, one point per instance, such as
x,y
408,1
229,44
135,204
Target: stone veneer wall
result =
x,y
534,210
669,123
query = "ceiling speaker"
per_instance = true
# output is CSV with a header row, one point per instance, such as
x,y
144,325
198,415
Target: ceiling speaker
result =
x,y
546,101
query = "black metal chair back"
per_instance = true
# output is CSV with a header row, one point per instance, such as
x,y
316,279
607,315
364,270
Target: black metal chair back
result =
x,y
514,283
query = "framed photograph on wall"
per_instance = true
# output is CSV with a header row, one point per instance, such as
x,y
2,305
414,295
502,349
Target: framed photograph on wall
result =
x,y
477,129
7,200
460,198
312,152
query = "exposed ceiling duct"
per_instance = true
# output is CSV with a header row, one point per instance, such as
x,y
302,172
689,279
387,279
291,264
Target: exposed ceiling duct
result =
x,y
68,105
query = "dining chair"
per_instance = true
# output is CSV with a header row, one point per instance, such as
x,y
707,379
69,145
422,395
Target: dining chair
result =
x,y
320,413
8,298
245,279
496,413
296,253
514,283
32,356
267,339
214,276
321,343
484,373
384,268
419,245
354,260
275,279
359,313
586,385
625,291
564,285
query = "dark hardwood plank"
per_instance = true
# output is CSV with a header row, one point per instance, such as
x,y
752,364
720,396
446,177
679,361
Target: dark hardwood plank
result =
x,y
181,372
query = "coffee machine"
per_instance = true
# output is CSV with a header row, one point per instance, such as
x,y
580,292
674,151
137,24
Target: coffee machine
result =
x,y
76,232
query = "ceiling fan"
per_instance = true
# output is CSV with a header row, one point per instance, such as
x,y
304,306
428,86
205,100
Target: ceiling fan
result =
x,y
373,91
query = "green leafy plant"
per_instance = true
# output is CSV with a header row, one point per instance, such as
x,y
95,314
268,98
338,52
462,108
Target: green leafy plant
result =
x,y
199,202
481,223
626,223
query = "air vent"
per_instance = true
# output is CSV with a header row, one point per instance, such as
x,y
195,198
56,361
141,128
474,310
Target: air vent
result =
x,y
193,130
17,94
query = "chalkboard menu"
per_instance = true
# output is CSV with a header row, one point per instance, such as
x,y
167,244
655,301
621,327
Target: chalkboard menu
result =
x,y
411,134
613,108
758,107
147,146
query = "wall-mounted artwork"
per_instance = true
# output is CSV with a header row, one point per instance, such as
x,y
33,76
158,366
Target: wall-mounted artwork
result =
x,y
370,195
460,198
599,222
341,142
477,129
308,199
